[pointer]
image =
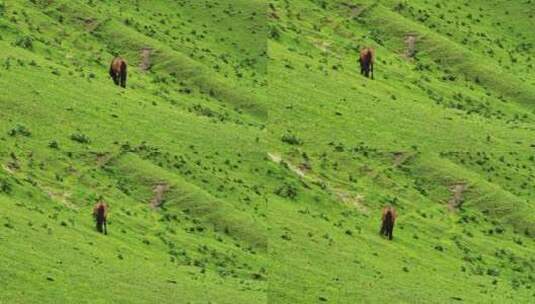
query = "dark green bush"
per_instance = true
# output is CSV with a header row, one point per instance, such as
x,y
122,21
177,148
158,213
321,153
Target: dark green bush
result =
x,y
53,145
287,191
291,139
80,138
5,186
20,130
25,42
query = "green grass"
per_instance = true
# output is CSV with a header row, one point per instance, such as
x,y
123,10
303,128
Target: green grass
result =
x,y
277,156
452,114
69,135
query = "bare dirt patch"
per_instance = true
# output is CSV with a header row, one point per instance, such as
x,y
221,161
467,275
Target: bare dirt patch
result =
x,y
62,197
400,158
410,45
304,167
457,198
159,194
299,170
304,171
322,45
102,159
145,63
354,9
273,12
90,24
352,200
11,167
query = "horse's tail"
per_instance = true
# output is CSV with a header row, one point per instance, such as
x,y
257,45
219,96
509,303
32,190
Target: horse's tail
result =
x,y
123,73
371,66
389,218
112,73
99,212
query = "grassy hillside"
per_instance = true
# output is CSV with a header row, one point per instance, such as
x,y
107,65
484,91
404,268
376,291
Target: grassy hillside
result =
x,y
188,122
247,160
444,133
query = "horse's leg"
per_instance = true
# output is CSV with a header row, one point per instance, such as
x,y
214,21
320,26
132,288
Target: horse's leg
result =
x,y
116,79
371,67
123,79
390,230
124,73
105,228
99,226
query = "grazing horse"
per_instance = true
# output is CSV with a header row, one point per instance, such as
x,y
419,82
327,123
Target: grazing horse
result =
x,y
388,219
366,61
100,212
118,71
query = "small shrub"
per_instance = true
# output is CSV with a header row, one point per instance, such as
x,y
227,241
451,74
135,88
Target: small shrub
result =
x,y
439,248
53,145
274,32
25,42
287,191
20,130
291,139
5,186
400,6
80,138
493,272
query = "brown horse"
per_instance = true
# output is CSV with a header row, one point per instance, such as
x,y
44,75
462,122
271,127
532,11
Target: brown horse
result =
x,y
118,71
388,219
367,58
100,212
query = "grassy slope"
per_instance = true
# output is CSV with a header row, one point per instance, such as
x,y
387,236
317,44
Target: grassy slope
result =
x,y
297,225
451,115
208,241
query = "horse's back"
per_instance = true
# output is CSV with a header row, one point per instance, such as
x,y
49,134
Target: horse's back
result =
x,y
389,214
392,214
389,217
367,54
100,211
118,63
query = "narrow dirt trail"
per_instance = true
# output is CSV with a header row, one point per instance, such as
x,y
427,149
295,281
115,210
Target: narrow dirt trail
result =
x,y
297,170
400,158
349,198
